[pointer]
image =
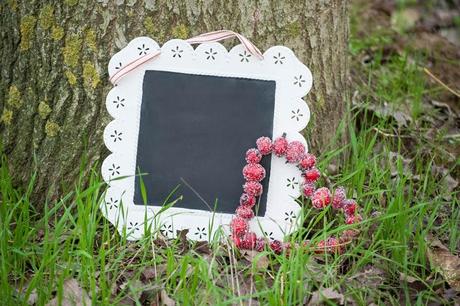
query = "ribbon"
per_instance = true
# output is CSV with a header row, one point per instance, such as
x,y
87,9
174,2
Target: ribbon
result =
x,y
206,37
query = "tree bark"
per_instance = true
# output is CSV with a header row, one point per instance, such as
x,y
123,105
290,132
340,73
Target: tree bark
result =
x,y
54,57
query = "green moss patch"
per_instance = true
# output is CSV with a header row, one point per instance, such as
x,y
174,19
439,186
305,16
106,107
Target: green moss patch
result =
x,y
52,128
90,75
72,50
46,17
14,97
44,109
27,28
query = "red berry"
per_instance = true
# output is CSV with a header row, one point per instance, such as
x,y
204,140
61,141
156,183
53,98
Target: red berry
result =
x,y
253,188
353,219
237,241
253,156
307,161
321,198
348,235
295,151
321,247
245,212
264,144
339,197
308,189
311,175
349,207
276,246
333,245
253,172
247,200
239,226
260,244
280,146
249,240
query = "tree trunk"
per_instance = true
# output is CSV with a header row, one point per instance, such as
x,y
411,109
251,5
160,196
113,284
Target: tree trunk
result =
x,y
54,57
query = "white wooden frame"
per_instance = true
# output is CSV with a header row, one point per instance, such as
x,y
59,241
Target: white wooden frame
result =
x,y
291,115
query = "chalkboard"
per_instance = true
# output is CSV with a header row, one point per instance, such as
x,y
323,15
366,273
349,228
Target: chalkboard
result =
x,y
194,131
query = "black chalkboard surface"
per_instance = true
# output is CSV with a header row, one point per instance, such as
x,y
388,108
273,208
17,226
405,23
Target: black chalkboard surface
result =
x,y
196,129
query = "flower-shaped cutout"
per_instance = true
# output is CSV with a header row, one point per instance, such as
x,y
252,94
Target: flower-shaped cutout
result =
x,y
177,52
211,54
119,102
279,59
143,49
269,235
114,170
290,216
296,114
166,230
299,80
133,226
112,203
200,232
292,183
245,56
116,136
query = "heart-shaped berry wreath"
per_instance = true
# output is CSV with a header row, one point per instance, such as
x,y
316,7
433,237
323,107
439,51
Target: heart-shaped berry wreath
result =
x,y
253,172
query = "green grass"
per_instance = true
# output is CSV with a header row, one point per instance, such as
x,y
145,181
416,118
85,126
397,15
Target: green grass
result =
x,y
400,204
39,251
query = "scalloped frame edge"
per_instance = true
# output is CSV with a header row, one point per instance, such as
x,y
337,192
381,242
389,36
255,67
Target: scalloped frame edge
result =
x,y
293,82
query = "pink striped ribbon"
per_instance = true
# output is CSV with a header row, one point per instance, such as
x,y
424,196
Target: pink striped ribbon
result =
x,y
206,37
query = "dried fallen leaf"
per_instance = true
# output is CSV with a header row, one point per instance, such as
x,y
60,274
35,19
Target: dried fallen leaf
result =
x,y
202,247
370,277
261,260
152,272
165,299
327,294
443,260
33,298
72,295
183,242
407,278
446,180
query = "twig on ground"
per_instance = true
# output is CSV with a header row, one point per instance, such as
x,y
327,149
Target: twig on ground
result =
x,y
441,82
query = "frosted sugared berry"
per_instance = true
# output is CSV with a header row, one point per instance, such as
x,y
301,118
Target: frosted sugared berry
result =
x,y
349,207
264,144
239,226
249,241
237,241
247,200
244,212
330,245
321,198
333,245
253,156
348,235
321,247
260,244
339,197
280,146
353,219
308,189
295,151
253,188
308,161
253,172
276,246
311,175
